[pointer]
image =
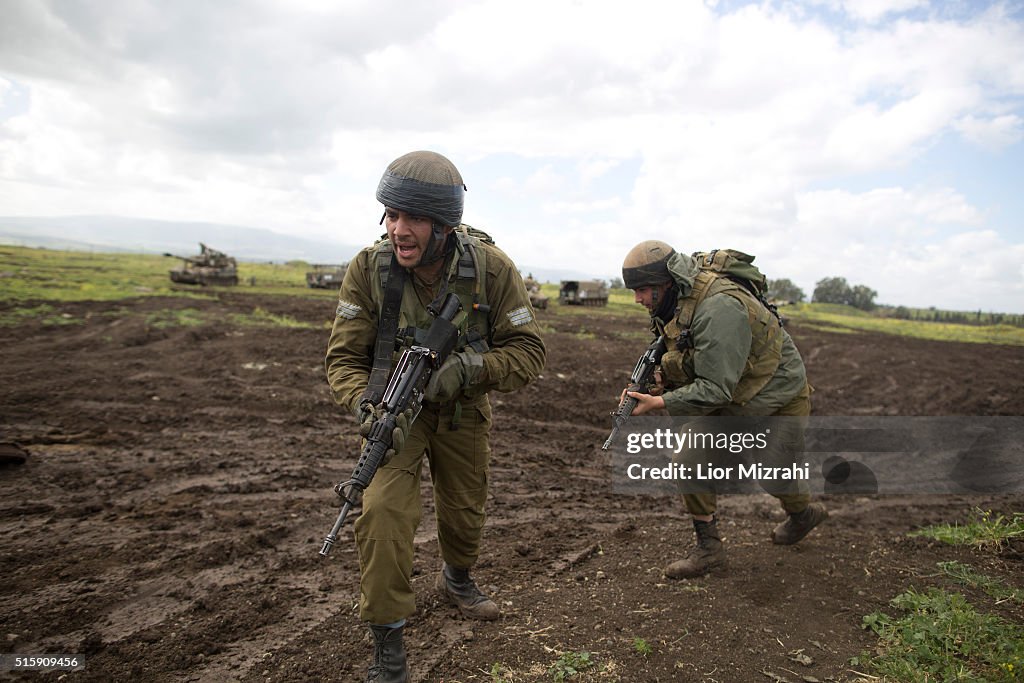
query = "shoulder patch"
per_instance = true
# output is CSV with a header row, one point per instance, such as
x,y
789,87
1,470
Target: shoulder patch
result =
x,y
520,316
347,310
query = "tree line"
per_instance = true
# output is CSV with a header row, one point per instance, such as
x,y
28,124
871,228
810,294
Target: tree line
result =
x,y
830,290
836,290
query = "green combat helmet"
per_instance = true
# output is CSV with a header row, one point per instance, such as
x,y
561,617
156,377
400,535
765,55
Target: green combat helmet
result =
x,y
646,264
425,184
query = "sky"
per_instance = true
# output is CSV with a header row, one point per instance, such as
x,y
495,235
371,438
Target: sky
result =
x,y
877,140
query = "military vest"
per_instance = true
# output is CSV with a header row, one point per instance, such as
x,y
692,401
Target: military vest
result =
x,y
729,273
469,284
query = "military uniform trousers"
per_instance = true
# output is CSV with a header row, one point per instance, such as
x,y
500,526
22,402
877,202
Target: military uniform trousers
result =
x,y
458,456
793,495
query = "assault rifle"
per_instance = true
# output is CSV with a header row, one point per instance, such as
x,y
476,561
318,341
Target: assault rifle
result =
x,y
404,392
643,375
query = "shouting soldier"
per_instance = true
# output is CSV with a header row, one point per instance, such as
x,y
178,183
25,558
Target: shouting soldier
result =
x,y
383,304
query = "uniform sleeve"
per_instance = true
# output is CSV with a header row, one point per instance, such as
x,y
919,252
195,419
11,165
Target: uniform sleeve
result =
x,y
350,348
517,350
722,339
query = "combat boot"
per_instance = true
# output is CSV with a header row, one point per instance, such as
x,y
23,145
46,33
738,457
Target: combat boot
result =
x,y
706,555
462,592
799,524
389,664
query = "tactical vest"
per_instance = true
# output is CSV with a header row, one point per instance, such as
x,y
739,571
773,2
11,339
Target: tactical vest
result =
x,y
469,284
730,273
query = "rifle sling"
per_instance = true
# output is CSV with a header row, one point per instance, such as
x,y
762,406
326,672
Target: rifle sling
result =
x,y
387,329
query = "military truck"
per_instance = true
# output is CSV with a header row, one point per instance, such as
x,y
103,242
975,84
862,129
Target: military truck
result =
x,y
537,300
210,267
325,275
583,293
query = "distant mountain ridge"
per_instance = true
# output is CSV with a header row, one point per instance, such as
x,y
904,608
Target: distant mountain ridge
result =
x,y
150,236
142,235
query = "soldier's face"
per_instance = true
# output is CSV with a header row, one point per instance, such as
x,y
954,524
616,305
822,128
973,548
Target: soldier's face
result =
x,y
650,296
409,234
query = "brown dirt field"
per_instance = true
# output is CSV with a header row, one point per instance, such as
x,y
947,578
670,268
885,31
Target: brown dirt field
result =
x,y
178,485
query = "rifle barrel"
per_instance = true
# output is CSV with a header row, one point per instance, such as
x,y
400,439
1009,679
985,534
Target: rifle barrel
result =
x,y
332,537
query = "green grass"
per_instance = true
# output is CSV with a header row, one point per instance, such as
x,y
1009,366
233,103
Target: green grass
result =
x,y
976,317
279,278
620,302
941,637
642,647
261,318
966,575
36,276
985,531
185,317
835,317
830,329
44,312
569,664
46,275
28,275
500,673
938,635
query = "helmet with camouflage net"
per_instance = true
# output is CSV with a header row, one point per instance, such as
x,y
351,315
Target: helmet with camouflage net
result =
x,y
646,264
425,184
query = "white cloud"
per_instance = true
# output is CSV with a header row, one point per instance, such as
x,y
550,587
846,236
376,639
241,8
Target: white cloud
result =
x,y
967,271
874,10
544,182
591,169
994,133
759,127
891,213
915,247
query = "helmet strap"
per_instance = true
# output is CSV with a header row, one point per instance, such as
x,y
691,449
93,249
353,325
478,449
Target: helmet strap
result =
x,y
435,249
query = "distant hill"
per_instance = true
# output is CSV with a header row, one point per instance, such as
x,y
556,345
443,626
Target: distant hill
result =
x,y
139,235
143,235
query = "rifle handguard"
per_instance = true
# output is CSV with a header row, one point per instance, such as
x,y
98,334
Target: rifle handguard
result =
x,y
643,375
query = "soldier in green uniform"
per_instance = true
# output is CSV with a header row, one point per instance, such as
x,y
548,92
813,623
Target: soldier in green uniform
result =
x,y
727,354
382,305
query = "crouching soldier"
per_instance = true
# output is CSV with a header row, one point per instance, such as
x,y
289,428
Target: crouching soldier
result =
x,y
727,354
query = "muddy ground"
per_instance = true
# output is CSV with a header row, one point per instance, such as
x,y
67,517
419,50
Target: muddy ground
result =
x,y
167,521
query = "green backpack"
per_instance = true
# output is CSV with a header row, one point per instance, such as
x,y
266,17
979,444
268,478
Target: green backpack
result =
x,y
739,268
732,272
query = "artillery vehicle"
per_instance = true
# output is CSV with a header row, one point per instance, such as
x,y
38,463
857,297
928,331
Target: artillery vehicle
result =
x,y
210,267
325,276
583,293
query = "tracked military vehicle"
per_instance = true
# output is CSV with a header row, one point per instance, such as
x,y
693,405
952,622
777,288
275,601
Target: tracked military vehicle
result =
x,y
210,267
583,293
325,276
